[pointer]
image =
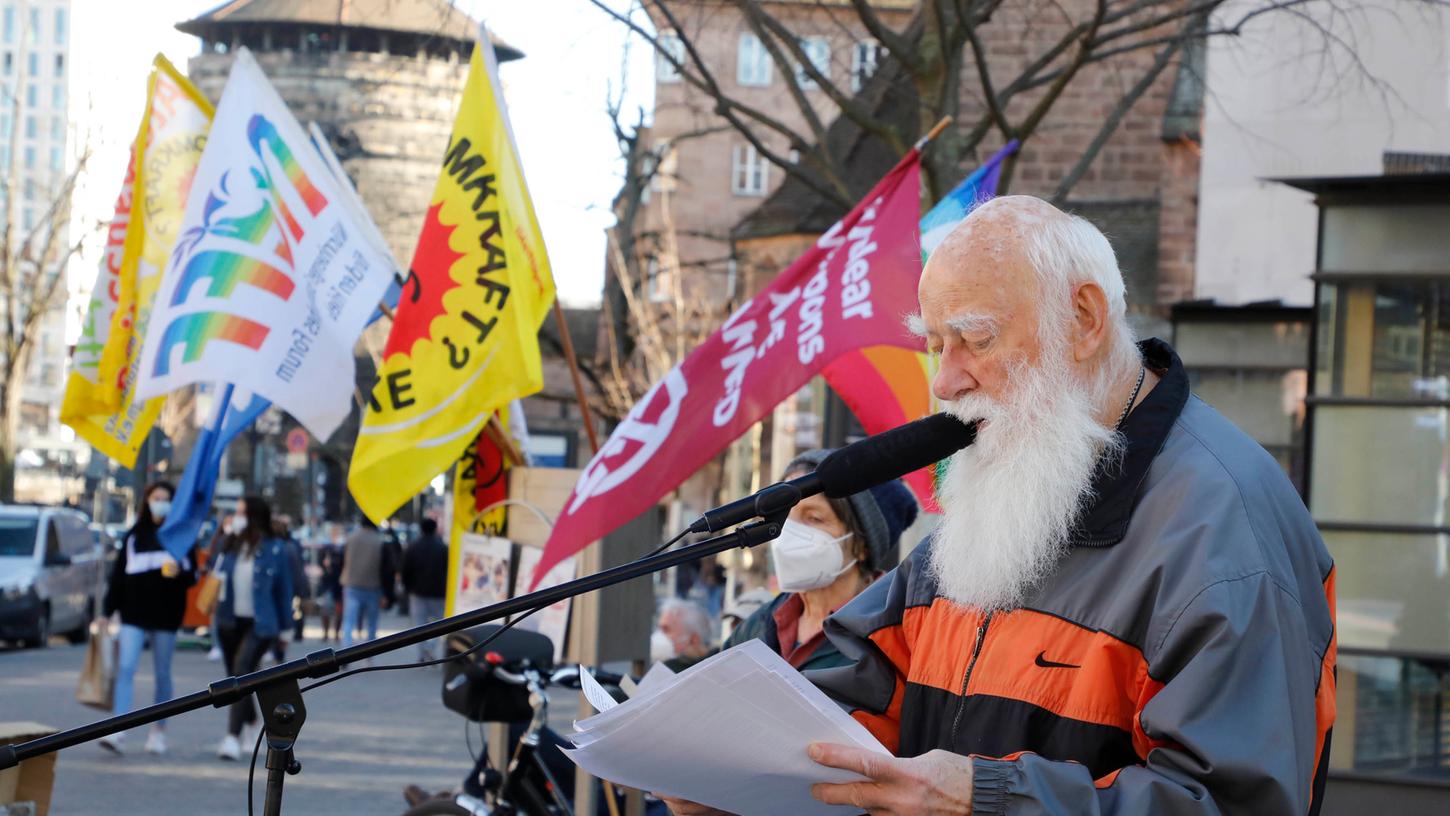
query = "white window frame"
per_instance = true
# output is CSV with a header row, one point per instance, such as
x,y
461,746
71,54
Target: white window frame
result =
x,y
749,171
665,71
865,59
819,51
655,282
752,62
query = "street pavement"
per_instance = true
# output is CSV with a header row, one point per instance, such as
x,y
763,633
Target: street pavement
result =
x,y
365,739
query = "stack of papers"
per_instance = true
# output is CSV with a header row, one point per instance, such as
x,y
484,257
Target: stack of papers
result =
x,y
730,732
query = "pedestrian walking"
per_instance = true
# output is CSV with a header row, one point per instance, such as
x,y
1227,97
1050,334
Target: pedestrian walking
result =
x,y
329,586
301,589
425,579
366,581
147,589
255,604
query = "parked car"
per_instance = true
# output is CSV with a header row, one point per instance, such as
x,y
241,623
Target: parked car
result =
x,y
51,574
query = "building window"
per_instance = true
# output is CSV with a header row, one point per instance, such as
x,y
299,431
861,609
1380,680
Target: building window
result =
x,y
864,58
818,49
57,96
749,171
656,282
9,63
9,25
1379,437
60,23
32,131
34,34
752,67
57,159
27,219
29,155
59,66
32,95
32,64
57,128
732,278
671,54
5,126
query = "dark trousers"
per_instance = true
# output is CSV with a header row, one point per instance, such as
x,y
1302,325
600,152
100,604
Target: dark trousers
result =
x,y
243,652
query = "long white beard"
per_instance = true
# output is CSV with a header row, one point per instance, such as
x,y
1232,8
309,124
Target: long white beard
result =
x,y
1010,501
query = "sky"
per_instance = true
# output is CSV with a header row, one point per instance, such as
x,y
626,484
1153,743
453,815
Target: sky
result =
x,y
575,58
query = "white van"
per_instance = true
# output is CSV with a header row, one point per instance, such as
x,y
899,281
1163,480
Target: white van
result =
x,y
51,579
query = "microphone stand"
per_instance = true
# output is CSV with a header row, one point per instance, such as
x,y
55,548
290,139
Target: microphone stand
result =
x,y
277,690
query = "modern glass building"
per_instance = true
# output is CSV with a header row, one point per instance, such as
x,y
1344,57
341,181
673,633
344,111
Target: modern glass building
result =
x,y
1377,479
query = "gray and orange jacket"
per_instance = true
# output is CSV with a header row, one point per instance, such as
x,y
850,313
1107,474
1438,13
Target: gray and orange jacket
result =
x,y
1180,660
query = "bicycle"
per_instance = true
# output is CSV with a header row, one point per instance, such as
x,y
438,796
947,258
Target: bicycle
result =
x,y
508,684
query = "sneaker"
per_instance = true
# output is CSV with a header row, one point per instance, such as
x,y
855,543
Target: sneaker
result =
x,y
115,743
156,742
229,749
215,655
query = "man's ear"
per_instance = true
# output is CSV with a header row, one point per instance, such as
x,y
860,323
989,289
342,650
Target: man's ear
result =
x,y
1090,320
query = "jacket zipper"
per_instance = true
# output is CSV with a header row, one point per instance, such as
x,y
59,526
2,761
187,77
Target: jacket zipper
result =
x,y
967,678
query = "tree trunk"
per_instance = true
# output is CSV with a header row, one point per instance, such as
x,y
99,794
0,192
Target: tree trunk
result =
x,y
10,428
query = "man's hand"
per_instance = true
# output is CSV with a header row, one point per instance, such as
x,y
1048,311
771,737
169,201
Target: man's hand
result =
x,y
938,782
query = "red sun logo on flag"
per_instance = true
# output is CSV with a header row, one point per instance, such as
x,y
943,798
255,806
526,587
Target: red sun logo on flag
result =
x,y
428,281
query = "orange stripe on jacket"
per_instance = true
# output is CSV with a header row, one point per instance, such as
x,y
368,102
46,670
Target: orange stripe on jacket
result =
x,y
1325,708
1062,667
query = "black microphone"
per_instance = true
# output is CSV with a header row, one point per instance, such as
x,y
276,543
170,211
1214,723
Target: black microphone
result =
x,y
856,467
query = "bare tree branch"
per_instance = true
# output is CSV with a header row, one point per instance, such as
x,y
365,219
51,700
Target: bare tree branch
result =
x,y
1115,118
901,48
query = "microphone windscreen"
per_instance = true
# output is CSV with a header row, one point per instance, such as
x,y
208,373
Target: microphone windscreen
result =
x,y
893,454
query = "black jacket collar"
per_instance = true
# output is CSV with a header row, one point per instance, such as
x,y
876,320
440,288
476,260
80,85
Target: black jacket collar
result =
x,y
1116,487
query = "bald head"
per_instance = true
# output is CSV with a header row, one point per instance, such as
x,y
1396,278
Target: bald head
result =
x,y
1017,278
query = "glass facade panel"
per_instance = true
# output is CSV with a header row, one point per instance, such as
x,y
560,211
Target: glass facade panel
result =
x,y
1380,239
1393,590
1387,340
1392,717
1381,465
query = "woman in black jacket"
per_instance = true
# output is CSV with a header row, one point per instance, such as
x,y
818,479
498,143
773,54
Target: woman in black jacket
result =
x,y
148,588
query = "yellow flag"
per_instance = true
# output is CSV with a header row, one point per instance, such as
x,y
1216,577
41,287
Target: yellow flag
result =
x,y
465,340
98,402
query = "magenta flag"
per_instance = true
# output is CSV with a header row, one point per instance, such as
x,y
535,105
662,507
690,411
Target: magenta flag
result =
x,y
852,289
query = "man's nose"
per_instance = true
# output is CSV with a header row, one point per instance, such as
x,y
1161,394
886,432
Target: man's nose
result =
x,y
952,382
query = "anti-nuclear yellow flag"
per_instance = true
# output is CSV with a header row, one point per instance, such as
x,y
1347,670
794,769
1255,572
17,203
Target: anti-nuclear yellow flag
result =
x,y
99,402
465,341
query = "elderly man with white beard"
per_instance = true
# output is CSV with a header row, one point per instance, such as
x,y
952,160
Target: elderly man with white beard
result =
x,y
1126,608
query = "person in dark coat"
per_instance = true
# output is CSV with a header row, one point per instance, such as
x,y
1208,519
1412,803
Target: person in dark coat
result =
x,y
425,579
147,588
829,551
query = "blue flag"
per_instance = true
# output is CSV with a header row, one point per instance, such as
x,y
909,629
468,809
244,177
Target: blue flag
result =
x,y
954,206
235,412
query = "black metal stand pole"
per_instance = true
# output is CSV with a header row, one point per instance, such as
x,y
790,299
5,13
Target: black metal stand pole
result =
x,y
277,687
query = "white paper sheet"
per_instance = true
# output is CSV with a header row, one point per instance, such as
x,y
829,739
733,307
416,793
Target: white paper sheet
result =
x,y
597,696
730,732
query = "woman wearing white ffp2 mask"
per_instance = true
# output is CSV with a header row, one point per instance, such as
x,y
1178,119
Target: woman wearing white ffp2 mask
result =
x,y
828,552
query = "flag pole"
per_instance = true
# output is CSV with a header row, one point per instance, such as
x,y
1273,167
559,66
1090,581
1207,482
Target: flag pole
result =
x,y
933,133
568,343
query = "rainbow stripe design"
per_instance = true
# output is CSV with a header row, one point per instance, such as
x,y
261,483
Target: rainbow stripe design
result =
x,y
196,330
261,131
225,270
886,386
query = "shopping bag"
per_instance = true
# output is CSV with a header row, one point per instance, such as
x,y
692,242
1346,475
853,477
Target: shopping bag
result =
x,y
207,593
98,673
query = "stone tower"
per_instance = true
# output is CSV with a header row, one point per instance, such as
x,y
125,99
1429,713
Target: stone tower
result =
x,y
380,77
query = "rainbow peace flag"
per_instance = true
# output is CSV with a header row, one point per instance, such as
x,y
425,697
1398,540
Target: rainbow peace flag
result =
x,y
886,386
